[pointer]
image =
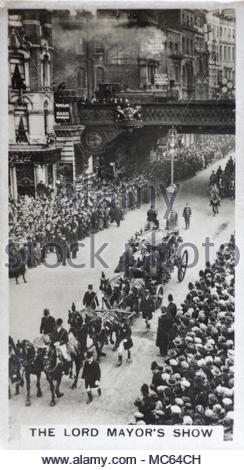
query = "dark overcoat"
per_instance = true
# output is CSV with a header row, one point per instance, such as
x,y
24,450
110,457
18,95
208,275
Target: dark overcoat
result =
x,y
165,323
91,373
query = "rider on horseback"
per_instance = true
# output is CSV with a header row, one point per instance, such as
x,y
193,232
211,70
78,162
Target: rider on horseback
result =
x,y
60,340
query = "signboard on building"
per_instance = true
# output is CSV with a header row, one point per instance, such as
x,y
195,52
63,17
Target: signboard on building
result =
x,y
161,79
151,43
62,112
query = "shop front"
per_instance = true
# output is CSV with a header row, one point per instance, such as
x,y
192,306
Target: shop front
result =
x,y
32,168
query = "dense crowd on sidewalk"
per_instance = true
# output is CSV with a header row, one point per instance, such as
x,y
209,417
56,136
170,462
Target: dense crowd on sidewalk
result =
x,y
70,216
190,159
193,383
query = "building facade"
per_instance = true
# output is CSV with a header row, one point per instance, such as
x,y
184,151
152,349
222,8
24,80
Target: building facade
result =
x,y
33,153
136,49
220,36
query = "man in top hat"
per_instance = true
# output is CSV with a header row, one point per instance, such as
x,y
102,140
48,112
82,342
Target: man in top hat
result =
x,y
165,323
187,212
147,308
171,308
90,298
48,323
92,375
61,339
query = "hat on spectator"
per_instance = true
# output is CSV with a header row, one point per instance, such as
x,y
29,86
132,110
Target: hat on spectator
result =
x,y
175,410
187,420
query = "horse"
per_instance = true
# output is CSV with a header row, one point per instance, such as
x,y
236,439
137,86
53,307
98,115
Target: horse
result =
x,y
32,360
214,199
98,333
77,344
221,186
14,367
53,367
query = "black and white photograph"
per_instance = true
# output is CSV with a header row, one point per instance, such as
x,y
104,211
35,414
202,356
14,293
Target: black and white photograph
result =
x,y
121,210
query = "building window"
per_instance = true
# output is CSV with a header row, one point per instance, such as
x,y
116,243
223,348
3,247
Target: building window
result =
x,y
184,75
99,46
183,45
21,127
46,117
176,46
81,78
225,53
176,73
80,46
17,75
220,53
229,57
100,75
187,45
45,71
171,46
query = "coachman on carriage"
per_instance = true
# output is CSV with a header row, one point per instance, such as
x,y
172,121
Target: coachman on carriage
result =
x,y
147,263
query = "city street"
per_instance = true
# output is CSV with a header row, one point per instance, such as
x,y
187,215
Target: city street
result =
x,y
120,386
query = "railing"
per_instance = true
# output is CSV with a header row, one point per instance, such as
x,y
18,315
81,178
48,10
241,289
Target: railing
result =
x,y
206,114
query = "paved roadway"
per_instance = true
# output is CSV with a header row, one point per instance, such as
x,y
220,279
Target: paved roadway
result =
x,y
58,288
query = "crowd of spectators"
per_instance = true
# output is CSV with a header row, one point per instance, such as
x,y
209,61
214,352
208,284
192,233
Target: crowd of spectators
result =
x,y
191,159
194,383
99,99
67,217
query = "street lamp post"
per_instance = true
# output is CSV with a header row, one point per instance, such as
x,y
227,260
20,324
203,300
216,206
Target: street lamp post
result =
x,y
172,220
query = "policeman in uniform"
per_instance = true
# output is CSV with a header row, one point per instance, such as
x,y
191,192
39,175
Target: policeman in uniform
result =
x,y
187,215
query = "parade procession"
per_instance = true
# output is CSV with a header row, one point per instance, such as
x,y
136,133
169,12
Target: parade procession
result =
x,y
121,249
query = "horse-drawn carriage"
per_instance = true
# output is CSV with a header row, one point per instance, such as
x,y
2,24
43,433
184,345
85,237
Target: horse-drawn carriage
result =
x,y
147,263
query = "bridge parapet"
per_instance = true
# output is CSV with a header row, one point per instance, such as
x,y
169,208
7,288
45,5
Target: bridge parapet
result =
x,y
198,116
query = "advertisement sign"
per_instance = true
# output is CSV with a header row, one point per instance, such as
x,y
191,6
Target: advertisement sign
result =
x,y
161,79
62,112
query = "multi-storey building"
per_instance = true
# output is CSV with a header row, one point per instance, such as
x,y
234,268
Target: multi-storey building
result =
x,y
220,37
33,155
136,49
191,52
227,46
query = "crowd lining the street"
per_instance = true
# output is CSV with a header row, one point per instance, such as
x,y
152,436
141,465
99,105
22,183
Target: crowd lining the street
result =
x,y
189,160
194,383
70,216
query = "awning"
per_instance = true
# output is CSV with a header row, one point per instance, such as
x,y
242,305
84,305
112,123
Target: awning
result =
x,y
34,154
